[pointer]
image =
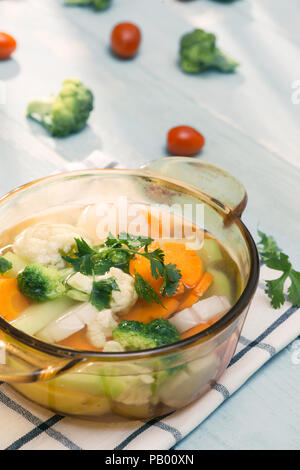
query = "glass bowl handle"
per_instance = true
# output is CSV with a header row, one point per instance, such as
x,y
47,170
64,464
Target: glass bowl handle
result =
x,y
21,364
219,185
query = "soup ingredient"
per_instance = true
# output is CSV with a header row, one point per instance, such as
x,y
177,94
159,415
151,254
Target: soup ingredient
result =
x,y
198,291
66,325
13,302
144,290
101,328
123,298
97,4
5,265
134,335
274,258
221,284
113,346
195,330
65,114
101,294
125,40
78,341
198,52
114,290
17,264
188,383
203,285
201,312
91,261
146,312
100,259
7,45
40,283
210,252
180,267
185,141
38,316
45,243
65,400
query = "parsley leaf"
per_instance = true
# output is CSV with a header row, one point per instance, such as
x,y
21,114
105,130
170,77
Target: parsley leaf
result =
x,y
294,289
172,277
90,261
135,242
274,258
101,292
274,290
5,265
82,247
267,246
144,290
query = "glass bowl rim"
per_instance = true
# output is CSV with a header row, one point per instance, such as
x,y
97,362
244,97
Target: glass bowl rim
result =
x,y
235,311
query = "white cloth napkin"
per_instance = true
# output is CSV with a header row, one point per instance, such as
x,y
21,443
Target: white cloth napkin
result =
x,y
266,331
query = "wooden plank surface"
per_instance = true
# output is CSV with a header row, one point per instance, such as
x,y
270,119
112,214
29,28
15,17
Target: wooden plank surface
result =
x,y
249,119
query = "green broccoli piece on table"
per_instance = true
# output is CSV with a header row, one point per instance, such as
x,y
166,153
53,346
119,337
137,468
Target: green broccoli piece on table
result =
x,y
40,283
65,114
134,335
97,4
198,52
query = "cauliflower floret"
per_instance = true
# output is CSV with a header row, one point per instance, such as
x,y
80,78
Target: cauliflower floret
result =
x,y
44,243
113,346
138,390
126,297
122,300
101,327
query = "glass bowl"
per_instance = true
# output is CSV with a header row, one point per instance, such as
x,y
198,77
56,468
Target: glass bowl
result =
x,y
142,384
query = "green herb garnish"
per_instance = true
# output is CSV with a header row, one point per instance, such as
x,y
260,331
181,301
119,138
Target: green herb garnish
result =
x,y
101,292
117,252
274,258
144,290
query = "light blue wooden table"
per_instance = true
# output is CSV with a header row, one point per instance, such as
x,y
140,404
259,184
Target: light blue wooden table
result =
x,y
249,119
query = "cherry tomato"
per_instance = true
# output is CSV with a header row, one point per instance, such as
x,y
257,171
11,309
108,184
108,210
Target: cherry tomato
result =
x,y
125,40
7,45
184,140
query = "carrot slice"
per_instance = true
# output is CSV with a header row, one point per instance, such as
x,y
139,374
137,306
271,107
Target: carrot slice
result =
x,y
146,312
193,296
190,300
196,329
187,261
12,301
203,285
79,341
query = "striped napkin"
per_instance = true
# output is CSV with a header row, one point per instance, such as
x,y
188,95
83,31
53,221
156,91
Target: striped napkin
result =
x,y
25,425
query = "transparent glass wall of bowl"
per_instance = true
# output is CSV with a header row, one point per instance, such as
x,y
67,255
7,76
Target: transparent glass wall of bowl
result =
x,y
138,388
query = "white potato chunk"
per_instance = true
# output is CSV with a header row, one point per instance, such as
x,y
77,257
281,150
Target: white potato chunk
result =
x,y
203,311
72,321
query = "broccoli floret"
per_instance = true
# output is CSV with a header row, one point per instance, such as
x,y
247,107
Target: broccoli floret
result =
x,y
40,283
5,265
134,335
97,4
65,114
198,52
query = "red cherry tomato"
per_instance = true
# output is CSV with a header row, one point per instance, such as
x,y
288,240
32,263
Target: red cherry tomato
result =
x,y
7,45
184,140
125,40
